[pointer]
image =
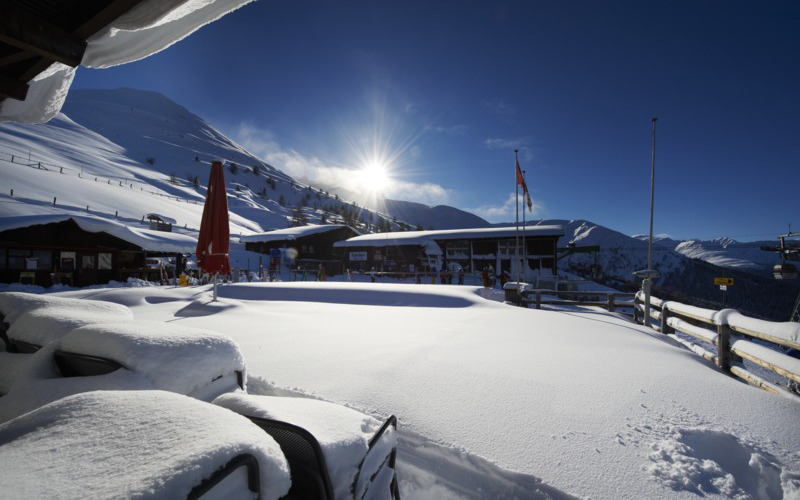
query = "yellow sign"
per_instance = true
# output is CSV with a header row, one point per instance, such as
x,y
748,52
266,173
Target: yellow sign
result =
x,y
723,281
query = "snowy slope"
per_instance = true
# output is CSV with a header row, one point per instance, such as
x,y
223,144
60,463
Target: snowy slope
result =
x,y
149,154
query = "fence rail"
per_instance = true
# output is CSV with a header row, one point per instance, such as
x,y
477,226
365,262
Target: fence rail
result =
x,y
733,335
611,301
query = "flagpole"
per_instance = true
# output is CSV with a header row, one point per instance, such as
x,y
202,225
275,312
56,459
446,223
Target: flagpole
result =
x,y
516,206
524,262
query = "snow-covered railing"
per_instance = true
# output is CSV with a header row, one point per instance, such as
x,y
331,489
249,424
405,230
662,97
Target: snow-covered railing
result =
x,y
732,333
610,301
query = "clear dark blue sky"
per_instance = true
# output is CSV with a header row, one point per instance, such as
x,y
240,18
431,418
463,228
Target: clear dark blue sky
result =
x,y
444,91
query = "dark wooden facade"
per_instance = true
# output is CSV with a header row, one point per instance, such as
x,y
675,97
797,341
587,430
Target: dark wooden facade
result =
x,y
62,252
312,249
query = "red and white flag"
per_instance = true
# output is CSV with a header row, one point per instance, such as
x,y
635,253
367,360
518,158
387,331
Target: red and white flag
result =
x,y
521,182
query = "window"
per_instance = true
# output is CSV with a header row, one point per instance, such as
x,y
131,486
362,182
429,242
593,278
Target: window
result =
x,y
104,261
44,258
67,262
16,258
87,262
458,249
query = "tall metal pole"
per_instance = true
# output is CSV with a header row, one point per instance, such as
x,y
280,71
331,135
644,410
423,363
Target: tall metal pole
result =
x,y
647,282
516,207
652,197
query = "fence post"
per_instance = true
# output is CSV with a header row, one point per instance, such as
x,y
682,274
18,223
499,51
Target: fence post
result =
x,y
665,328
611,306
724,347
538,299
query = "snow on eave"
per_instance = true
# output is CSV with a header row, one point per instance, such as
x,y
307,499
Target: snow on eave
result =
x,y
424,237
291,233
146,239
148,28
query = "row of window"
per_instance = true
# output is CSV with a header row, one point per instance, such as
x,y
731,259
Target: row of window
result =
x,y
42,260
461,249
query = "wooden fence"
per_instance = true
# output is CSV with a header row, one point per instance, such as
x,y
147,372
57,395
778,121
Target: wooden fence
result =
x,y
736,338
611,301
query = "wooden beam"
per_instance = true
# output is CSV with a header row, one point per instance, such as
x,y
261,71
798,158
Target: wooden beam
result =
x,y
26,31
13,88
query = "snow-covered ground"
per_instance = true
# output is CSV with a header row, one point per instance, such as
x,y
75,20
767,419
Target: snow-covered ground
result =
x,y
497,401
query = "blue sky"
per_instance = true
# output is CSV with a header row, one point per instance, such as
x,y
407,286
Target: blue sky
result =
x,y
442,92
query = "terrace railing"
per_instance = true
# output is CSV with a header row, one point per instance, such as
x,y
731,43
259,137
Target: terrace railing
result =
x,y
610,301
734,337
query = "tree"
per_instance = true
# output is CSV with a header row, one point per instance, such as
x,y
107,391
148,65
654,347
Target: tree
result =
x,y
256,170
173,179
151,161
233,168
196,182
298,217
282,201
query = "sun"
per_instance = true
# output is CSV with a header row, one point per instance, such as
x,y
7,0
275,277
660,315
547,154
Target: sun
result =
x,y
374,177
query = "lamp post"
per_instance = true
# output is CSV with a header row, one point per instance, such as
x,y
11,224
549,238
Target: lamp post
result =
x,y
649,274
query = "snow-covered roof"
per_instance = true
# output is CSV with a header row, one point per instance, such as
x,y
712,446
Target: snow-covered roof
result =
x,y
148,28
422,238
162,218
130,444
291,233
146,239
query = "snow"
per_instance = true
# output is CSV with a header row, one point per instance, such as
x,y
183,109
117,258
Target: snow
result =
x,y
172,357
424,237
513,402
129,444
147,29
788,331
40,320
146,239
775,358
332,425
290,233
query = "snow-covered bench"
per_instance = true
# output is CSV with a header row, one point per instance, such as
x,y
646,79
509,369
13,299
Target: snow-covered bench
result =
x,y
334,452
129,355
36,320
138,444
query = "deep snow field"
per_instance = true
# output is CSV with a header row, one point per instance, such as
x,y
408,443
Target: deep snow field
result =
x,y
497,401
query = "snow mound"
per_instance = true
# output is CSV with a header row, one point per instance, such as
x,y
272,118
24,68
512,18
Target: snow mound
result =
x,y
711,462
15,304
173,358
130,444
343,433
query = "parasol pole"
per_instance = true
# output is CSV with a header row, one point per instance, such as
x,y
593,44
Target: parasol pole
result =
x,y
215,287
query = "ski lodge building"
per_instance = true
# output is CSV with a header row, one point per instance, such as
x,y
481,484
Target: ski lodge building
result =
x,y
473,249
312,245
83,250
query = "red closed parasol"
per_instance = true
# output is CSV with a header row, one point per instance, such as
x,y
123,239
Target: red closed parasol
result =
x,y
213,242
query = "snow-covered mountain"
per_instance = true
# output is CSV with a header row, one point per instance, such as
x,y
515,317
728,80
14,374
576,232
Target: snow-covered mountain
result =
x,y
687,269
124,153
438,217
